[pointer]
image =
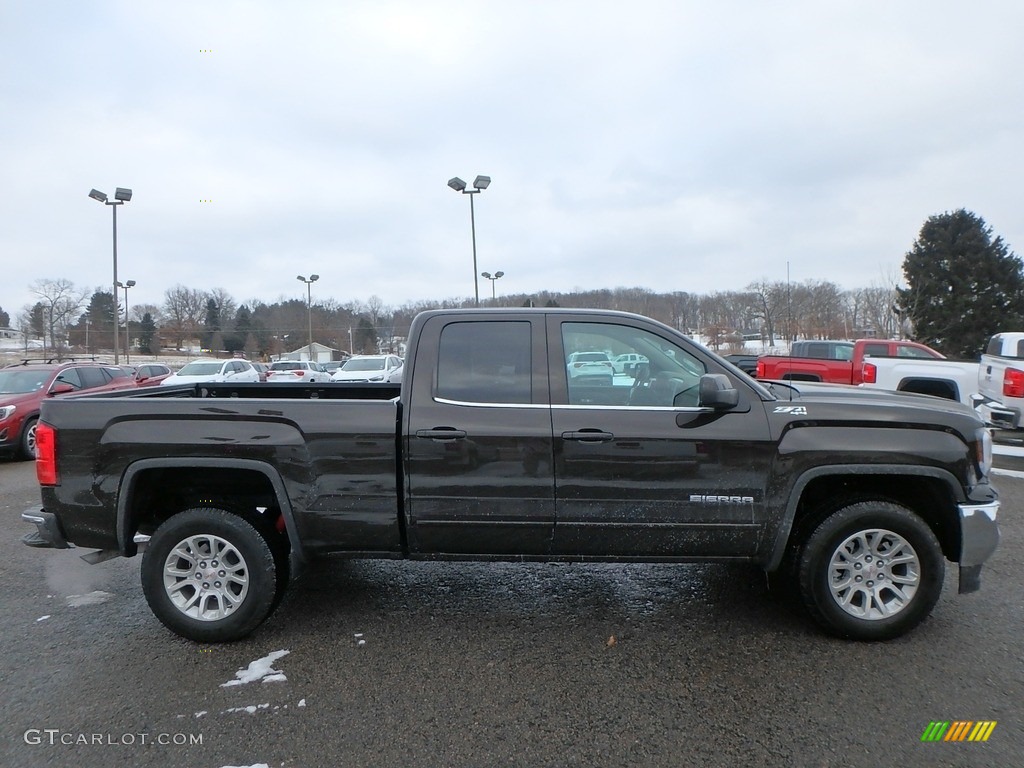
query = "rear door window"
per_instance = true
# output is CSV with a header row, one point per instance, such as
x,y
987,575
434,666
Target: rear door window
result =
x,y
485,362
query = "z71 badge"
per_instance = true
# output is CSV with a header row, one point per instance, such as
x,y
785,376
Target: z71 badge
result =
x,y
793,410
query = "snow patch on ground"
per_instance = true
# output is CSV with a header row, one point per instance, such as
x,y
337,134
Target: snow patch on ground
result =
x,y
92,598
43,618
259,670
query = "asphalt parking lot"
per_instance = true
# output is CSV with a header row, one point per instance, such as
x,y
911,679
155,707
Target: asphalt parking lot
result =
x,y
454,664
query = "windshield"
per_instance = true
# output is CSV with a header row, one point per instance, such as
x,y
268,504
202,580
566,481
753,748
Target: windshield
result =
x,y
364,364
200,368
20,382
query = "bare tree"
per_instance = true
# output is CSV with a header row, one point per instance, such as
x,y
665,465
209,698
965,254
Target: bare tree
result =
x,y
769,301
185,310
227,307
61,303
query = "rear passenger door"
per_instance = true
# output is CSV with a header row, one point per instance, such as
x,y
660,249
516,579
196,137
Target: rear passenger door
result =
x,y
478,450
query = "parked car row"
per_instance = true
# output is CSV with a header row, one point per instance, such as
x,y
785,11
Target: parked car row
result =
x,y
24,386
376,368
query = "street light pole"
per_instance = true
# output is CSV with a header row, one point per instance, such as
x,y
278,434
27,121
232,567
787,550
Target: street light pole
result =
x,y
309,306
480,183
121,196
493,278
127,336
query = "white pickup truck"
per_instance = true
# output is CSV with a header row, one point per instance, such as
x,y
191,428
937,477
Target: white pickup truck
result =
x,y
950,379
1000,398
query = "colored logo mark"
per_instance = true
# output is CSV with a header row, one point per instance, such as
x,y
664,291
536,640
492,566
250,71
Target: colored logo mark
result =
x,y
958,730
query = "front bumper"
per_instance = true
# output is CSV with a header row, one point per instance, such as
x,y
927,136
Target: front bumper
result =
x,y
979,535
48,534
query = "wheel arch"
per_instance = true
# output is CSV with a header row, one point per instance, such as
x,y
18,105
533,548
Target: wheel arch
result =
x,y
929,492
944,388
191,477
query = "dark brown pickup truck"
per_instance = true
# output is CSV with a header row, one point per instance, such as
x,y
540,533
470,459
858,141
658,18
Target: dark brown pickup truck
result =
x,y
491,450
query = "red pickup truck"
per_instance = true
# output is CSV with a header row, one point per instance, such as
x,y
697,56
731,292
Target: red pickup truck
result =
x,y
836,362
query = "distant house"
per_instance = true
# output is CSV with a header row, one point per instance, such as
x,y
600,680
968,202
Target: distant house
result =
x,y
9,333
321,353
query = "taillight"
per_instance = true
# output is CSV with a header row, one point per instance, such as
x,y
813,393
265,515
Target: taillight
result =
x,y
1013,383
759,373
870,373
46,455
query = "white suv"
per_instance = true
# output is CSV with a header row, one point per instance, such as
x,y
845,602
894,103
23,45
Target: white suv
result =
x,y
296,370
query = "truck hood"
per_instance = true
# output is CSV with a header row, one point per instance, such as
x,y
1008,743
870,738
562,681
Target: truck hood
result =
x,y
832,403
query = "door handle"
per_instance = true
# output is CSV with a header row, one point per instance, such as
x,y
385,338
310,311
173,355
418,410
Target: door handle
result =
x,y
589,436
441,433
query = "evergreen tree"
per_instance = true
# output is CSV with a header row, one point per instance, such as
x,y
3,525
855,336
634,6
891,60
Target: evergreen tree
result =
x,y
963,285
147,333
101,320
37,320
366,337
5,319
211,327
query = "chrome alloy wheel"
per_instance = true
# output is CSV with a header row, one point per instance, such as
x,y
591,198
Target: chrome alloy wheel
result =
x,y
874,574
206,577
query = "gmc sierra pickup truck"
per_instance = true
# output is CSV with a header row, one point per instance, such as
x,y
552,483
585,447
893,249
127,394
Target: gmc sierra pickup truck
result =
x,y
1000,396
836,362
490,450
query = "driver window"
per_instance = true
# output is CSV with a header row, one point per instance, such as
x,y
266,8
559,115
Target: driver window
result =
x,y
608,364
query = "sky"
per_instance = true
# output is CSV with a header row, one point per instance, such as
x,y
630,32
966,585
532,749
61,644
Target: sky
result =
x,y
682,145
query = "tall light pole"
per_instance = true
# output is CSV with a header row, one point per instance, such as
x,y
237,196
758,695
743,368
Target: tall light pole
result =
x,y
480,183
127,337
309,306
121,196
493,278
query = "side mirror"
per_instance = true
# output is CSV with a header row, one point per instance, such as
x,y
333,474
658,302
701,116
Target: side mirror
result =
x,y
61,388
717,391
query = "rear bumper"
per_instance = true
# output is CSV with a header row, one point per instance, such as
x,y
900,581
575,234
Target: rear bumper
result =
x,y
48,534
995,414
979,536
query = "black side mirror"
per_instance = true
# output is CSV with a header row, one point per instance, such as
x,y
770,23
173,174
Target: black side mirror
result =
x,y
717,391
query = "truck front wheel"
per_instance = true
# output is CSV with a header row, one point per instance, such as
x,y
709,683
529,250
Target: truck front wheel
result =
x,y
871,571
209,575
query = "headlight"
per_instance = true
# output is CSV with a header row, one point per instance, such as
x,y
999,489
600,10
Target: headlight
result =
x,y
6,411
983,447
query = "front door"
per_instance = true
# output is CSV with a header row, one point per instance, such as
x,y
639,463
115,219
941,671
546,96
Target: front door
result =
x,y
641,470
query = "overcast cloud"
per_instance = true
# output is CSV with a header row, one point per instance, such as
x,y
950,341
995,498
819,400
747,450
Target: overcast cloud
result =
x,y
679,145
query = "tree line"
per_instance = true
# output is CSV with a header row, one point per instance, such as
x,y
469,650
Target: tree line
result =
x,y
962,285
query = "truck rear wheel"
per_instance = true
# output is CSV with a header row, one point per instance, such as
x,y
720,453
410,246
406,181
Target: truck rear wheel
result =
x,y
209,575
871,571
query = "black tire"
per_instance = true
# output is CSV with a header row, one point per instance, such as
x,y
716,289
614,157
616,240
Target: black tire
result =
x,y
207,609
884,598
27,448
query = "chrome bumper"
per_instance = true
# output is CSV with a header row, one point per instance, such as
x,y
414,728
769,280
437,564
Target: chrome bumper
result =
x,y
979,535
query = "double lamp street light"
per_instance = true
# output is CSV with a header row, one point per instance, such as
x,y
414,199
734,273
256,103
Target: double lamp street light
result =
x,y
121,196
480,183
493,278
